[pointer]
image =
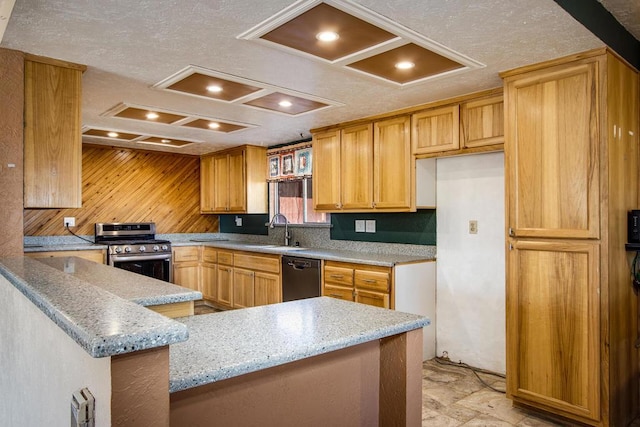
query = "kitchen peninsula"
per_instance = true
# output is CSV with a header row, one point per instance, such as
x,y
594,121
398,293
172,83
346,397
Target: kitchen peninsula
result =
x,y
145,369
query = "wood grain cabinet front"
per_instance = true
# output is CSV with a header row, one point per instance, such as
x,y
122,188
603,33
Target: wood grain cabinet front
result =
x,y
186,267
571,152
356,282
52,133
482,122
234,181
435,129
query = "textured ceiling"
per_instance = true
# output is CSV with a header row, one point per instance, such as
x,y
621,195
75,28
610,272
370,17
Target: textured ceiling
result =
x,y
626,12
129,46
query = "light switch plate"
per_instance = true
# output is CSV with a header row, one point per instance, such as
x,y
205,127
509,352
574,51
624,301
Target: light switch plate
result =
x,y
360,228
370,226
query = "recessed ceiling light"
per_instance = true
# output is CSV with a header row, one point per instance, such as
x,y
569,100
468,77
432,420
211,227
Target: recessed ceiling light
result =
x,y
152,116
113,134
405,65
214,88
285,104
165,141
214,125
327,36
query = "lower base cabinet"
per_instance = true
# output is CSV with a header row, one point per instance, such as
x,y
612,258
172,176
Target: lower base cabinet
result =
x,y
365,284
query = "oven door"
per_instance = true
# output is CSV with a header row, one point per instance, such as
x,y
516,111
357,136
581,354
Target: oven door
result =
x,y
157,266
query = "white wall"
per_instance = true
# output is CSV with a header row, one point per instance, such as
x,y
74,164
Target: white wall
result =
x,y
470,267
40,367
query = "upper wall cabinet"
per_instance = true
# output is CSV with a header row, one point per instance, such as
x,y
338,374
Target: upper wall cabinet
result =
x,y
52,137
482,122
435,130
375,168
234,181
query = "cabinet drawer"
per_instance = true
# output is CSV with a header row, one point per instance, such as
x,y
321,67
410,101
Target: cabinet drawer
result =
x,y
209,255
376,280
338,292
225,258
257,262
338,275
186,253
376,299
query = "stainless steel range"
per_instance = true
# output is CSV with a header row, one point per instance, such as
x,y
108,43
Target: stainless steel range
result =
x,y
133,246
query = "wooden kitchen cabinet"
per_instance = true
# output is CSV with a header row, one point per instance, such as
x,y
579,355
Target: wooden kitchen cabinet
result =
x,y
234,181
366,284
571,169
356,167
435,129
326,165
52,133
209,273
224,284
267,288
482,122
375,168
243,288
96,255
394,172
186,267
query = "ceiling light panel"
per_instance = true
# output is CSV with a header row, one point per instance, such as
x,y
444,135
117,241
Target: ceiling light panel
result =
x,y
301,33
365,39
148,115
241,91
165,142
223,126
286,104
107,133
199,84
425,64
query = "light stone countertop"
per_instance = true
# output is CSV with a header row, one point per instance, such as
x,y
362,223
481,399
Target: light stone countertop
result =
x,y
63,247
232,343
383,260
137,288
101,322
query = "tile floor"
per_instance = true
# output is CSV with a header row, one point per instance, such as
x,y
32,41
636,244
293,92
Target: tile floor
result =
x,y
452,396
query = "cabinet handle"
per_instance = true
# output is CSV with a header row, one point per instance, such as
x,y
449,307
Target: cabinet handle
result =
x,y
336,276
510,246
510,231
369,281
335,295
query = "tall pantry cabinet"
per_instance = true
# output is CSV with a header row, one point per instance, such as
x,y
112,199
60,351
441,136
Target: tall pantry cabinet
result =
x,y
571,157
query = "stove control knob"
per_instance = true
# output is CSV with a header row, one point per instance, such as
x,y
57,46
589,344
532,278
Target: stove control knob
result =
x,y
142,249
165,247
156,248
117,249
127,249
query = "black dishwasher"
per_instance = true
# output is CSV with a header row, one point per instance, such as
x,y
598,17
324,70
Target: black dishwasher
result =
x,y
300,278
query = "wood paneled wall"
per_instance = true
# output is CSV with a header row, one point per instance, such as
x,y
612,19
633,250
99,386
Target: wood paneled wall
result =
x,y
11,149
122,185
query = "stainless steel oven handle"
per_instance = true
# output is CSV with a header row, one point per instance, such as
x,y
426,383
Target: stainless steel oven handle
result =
x,y
122,258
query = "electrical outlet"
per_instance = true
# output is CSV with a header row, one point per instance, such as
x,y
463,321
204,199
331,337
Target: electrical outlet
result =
x,y
473,226
370,226
69,221
360,226
238,221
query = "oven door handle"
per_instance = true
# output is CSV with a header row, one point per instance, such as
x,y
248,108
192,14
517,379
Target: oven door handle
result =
x,y
120,258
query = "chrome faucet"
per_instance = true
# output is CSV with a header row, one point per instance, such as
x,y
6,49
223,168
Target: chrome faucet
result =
x,y
287,236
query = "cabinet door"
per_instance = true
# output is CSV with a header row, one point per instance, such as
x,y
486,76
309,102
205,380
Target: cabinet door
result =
x,y
435,130
221,183
552,152
326,171
482,122
207,181
356,167
393,169
267,289
553,331
52,140
187,274
224,292
377,299
209,280
243,286
237,184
